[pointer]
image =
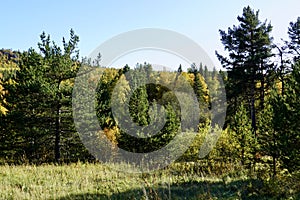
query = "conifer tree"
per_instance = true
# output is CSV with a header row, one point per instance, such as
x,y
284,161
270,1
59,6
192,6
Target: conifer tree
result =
x,y
41,100
248,64
294,35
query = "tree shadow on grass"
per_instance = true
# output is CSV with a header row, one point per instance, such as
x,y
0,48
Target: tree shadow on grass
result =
x,y
241,189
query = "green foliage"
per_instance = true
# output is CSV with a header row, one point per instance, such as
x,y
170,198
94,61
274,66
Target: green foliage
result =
x,y
261,136
287,122
241,132
294,35
103,97
40,117
142,101
248,64
201,90
8,67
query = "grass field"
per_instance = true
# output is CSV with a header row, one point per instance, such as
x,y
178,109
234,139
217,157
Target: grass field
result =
x,y
96,181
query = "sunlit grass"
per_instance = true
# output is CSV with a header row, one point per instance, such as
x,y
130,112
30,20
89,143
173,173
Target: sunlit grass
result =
x,y
97,181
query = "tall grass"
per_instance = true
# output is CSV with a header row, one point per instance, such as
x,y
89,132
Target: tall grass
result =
x,y
98,181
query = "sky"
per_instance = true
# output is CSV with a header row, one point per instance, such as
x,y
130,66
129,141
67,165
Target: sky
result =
x,y
96,21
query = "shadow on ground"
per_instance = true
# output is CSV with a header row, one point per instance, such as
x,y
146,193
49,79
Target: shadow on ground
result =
x,y
247,189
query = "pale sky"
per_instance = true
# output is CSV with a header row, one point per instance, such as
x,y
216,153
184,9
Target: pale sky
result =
x,y
96,21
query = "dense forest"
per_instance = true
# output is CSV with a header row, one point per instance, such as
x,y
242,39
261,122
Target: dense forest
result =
x,y
262,81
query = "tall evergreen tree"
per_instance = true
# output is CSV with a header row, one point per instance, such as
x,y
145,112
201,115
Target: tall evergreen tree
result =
x,y
27,119
248,64
286,108
41,100
294,35
286,121
61,66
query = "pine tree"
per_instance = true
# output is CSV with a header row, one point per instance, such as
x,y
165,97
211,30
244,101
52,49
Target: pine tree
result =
x,y
294,35
289,115
286,106
27,119
41,100
248,64
61,66
242,133
269,122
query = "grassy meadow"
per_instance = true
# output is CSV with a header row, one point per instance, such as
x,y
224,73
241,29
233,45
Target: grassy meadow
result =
x,y
98,181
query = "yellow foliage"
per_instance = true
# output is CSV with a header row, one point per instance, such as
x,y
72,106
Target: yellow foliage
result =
x,y
3,110
6,65
111,134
